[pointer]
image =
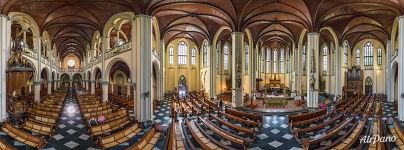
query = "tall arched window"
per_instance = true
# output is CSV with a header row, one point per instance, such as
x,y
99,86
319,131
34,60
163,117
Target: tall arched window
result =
x,y
193,56
262,59
358,57
379,56
171,53
346,53
275,61
182,53
246,56
205,53
217,56
368,54
325,58
225,57
268,69
282,59
304,57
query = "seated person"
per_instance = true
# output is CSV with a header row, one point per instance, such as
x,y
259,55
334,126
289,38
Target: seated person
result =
x,y
101,119
390,122
92,121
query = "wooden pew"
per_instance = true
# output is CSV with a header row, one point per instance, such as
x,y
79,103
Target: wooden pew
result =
x,y
120,137
203,139
226,135
233,126
23,137
43,113
346,143
245,115
175,140
298,131
312,120
42,119
377,130
5,146
38,128
97,113
241,120
306,116
306,142
109,127
398,133
148,141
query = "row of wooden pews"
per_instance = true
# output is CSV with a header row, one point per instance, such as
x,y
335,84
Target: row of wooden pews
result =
x,y
41,118
206,141
120,100
346,117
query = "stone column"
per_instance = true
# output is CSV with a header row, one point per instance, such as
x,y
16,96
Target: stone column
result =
x,y
237,70
389,73
312,69
212,70
161,71
400,58
5,34
104,85
37,91
49,87
299,68
37,46
55,85
86,82
143,55
92,86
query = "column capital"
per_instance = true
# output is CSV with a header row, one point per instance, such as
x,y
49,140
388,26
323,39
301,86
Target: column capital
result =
x,y
37,82
3,15
104,83
92,81
143,16
313,33
237,33
400,17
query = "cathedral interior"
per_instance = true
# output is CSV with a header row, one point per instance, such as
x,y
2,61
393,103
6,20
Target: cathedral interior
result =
x,y
201,74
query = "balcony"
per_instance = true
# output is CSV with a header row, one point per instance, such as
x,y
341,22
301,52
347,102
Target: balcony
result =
x,y
118,50
71,70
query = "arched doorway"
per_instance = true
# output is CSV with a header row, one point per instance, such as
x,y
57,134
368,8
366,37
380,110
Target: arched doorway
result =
x,y
182,86
76,80
368,86
154,82
395,84
44,82
65,80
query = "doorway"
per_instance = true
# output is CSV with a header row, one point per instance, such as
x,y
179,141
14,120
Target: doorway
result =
x,y
368,86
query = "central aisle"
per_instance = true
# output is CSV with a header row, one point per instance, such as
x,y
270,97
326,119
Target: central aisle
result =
x,y
71,132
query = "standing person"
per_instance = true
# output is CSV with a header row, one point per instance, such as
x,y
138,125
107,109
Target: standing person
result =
x,y
220,104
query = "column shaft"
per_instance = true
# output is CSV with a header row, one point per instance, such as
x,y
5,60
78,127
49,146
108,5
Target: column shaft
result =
x,y
312,69
237,68
401,68
143,27
5,32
